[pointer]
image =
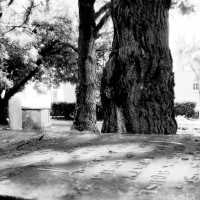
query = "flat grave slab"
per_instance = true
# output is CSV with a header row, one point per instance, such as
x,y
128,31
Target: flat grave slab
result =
x,y
105,167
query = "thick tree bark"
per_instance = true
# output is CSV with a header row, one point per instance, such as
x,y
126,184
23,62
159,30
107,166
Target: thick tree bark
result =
x,y
85,116
137,85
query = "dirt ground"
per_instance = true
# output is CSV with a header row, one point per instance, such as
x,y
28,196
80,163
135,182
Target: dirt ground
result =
x,y
58,164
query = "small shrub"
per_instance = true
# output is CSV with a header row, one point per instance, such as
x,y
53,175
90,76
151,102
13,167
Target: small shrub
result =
x,y
186,109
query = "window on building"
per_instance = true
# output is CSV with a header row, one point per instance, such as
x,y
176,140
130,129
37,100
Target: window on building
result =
x,y
195,86
55,95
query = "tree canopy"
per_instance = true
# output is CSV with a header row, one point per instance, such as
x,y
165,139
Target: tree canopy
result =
x,y
39,45
48,40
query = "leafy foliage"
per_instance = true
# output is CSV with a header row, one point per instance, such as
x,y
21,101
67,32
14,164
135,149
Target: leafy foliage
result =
x,y
184,6
5,82
13,66
51,44
59,54
17,66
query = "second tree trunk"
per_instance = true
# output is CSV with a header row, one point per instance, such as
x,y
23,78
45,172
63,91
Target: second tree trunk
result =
x,y
85,116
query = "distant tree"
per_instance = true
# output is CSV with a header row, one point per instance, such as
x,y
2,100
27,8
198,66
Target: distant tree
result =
x,y
189,56
187,52
184,6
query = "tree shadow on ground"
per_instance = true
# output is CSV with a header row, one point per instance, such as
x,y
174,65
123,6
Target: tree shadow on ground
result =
x,y
51,174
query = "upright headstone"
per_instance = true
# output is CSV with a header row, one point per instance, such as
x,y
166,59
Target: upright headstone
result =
x,y
15,114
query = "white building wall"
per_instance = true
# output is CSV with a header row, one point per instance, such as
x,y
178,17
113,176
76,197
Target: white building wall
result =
x,y
59,93
184,80
31,98
69,93
65,93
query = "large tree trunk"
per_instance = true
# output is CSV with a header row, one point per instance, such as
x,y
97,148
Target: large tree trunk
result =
x,y
85,116
137,85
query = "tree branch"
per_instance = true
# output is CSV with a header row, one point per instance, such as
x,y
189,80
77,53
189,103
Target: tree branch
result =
x,y
102,10
16,88
168,4
75,49
101,22
26,16
10,2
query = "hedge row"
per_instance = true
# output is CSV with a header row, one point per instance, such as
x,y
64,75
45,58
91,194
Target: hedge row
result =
x,y
66,110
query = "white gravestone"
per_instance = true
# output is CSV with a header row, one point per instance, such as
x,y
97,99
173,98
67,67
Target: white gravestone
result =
x,y
15,114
